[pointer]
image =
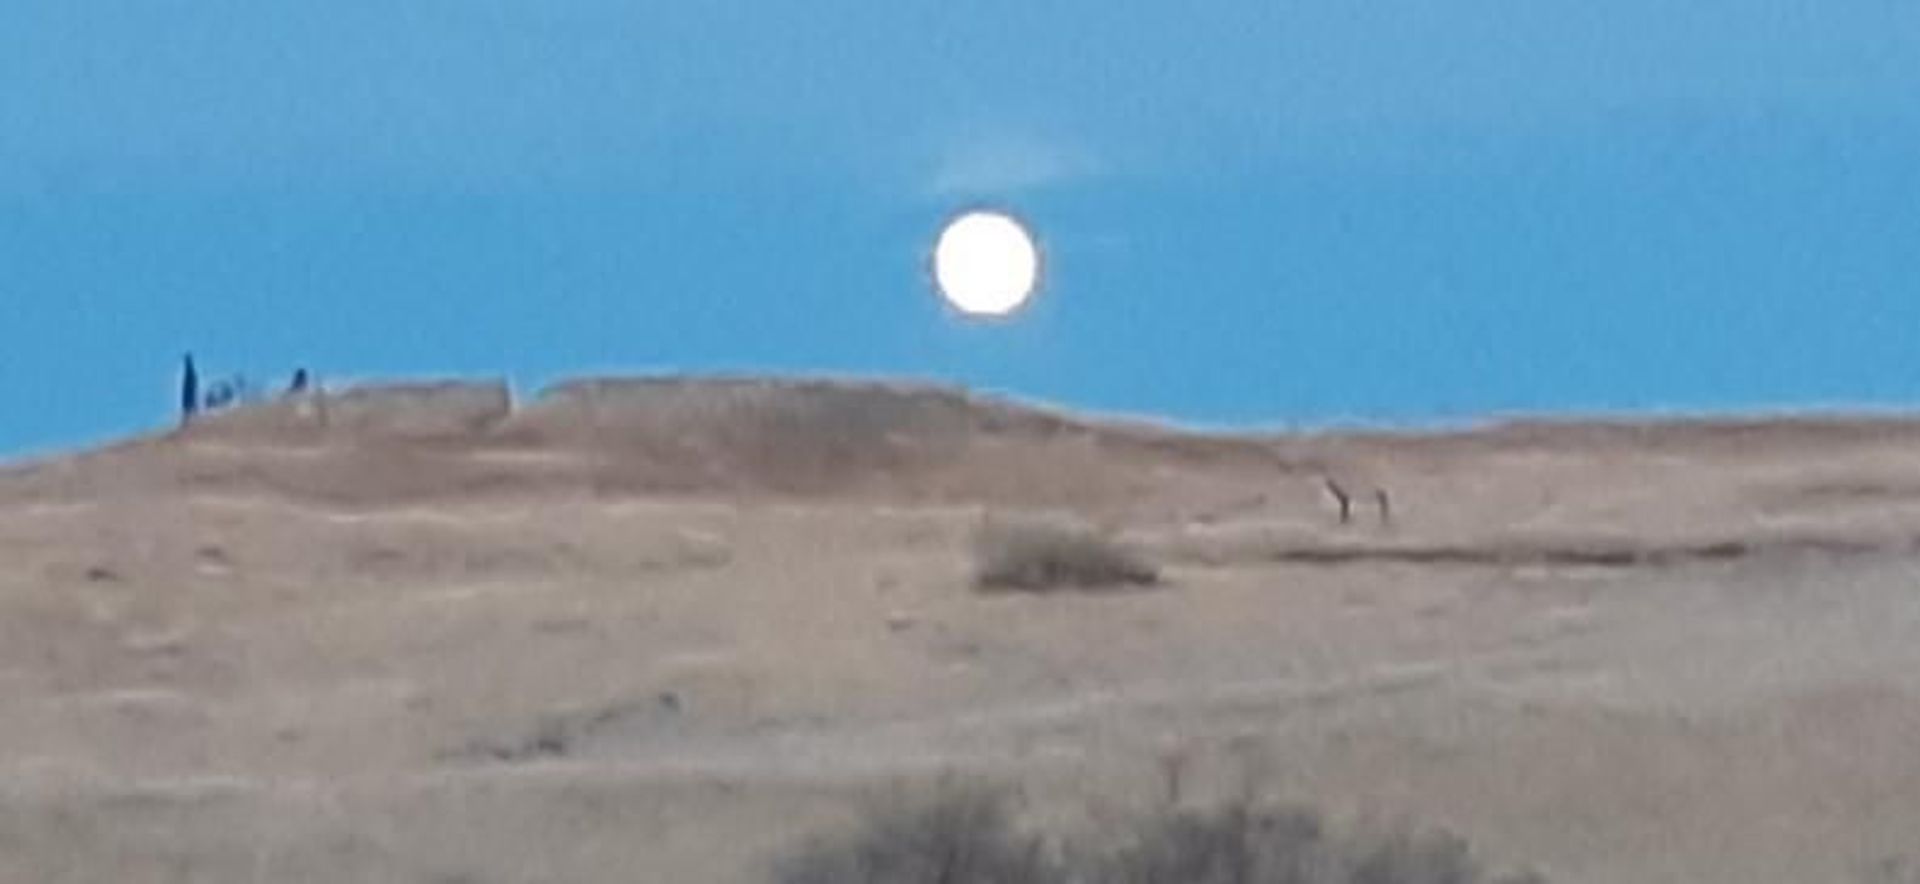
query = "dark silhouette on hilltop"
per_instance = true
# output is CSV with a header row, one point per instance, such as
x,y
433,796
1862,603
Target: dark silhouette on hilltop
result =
x,y
219,395
189,389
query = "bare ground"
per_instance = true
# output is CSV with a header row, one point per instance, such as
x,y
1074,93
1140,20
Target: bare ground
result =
x,y
661,635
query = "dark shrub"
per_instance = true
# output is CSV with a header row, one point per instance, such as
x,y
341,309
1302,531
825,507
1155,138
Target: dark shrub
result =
x,y
963,836
1031,555
968,837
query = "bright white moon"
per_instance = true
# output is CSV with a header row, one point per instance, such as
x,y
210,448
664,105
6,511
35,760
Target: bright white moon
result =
x,y
986,263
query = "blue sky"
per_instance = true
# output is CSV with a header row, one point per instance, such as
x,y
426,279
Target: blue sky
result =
x,y
1254,212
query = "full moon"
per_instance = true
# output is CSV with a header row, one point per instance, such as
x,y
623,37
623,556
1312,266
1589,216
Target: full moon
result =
x,y
986,263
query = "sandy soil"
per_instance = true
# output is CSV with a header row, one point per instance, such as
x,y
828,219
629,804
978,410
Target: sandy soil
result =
x,y
662,641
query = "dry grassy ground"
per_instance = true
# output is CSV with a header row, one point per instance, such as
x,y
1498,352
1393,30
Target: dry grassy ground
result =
x,y
659,632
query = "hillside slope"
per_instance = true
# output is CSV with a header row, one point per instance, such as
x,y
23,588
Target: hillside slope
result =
x,y
663,630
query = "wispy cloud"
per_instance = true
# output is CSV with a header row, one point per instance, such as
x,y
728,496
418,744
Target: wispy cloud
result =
x,y
1000,164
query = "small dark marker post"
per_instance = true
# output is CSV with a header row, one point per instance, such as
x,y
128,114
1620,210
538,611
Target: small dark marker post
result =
x,y
189,389
1386,506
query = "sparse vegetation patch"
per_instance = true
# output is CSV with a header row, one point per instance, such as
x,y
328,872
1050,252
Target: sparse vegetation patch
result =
x,y
969,836
1036,555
